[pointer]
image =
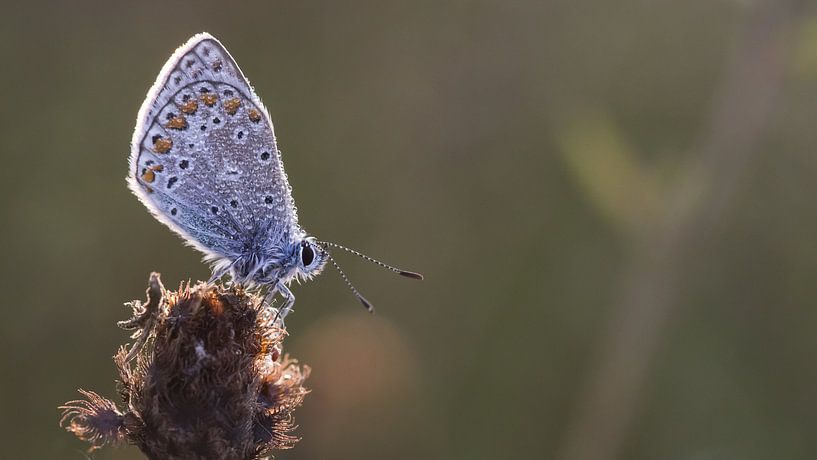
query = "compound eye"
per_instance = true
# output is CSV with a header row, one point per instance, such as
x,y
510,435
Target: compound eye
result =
x,y
307,255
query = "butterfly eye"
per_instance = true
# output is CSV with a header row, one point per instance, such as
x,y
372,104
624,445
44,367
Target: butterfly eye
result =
x,y
307,255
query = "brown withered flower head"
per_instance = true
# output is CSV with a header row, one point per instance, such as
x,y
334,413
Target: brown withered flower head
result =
x,y
205,379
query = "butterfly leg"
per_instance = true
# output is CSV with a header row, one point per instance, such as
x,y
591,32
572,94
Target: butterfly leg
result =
x,y
216,276
289,301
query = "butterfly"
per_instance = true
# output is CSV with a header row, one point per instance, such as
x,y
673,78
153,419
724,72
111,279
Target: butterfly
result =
x,y
205,163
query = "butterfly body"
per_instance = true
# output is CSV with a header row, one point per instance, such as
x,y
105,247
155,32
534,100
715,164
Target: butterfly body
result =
x,y
205,162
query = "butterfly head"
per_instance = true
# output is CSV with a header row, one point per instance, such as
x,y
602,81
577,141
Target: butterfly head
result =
x,y
308,258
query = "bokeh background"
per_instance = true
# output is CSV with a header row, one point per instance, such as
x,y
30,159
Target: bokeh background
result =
x,y
613,204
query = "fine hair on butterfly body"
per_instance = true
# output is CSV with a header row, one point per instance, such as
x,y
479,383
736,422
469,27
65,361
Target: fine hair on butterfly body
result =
x,y
205,162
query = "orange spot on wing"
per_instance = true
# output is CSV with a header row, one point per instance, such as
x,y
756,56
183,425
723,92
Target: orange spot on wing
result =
x,y
177,123
149,176
208,99
231,106
162,145
190,106
254,115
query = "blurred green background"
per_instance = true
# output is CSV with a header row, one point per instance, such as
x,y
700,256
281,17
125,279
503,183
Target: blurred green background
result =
x,y
612,202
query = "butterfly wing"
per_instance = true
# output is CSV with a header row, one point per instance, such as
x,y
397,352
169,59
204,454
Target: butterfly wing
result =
x,y
204,159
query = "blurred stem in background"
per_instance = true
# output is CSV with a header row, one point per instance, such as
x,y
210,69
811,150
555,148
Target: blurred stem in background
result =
x,y
738,120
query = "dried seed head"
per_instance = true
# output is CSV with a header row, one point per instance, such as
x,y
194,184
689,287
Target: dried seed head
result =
x,y
205,379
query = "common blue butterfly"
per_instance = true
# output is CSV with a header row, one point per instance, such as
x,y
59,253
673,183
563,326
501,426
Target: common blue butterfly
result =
x,y
204,161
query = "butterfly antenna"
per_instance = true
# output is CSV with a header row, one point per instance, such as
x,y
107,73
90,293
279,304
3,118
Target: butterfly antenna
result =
x,y
357,293
405,273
